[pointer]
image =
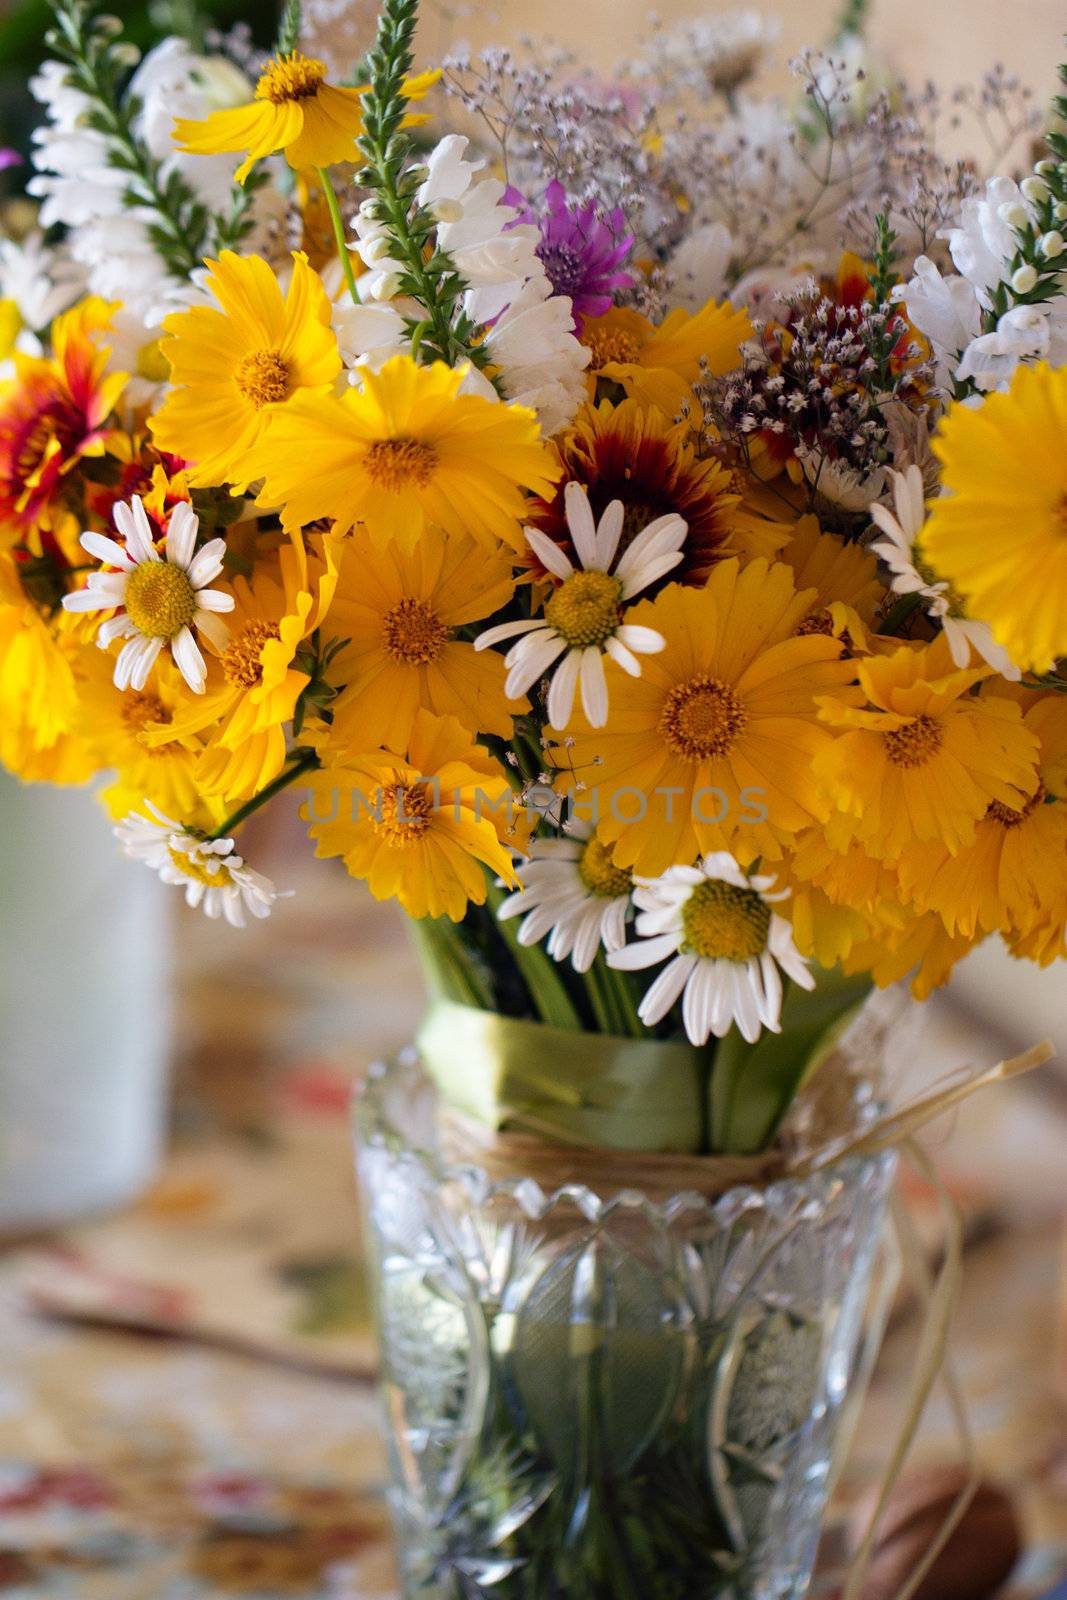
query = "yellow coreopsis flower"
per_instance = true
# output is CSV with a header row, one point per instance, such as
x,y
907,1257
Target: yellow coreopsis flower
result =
x,y
658,365
39,688
999,532
118,724
711,748
920,757
253,687
232,367
295,110
419,824
400,611
845,578
406,450
1013,876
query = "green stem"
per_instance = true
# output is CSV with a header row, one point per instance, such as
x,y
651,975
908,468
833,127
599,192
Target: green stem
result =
x,y
449,971
304,763
338,224
900,613
548,992
601,1000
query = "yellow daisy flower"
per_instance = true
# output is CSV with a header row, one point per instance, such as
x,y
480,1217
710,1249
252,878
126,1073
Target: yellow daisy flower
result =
x,y
401,612
419,824
119,725
921,946
253,687
406,450
1013,876
921,758
232,367
848,590
999,534
712,747
40,667
658,365
315,123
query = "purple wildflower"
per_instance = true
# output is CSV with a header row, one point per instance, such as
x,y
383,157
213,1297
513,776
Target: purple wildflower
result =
x,y
581,249
9,158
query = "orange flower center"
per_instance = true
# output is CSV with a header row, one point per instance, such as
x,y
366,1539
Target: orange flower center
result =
x,y
405,814
600,874
263,378
584,610
701,718
998,812
610,344
291,77
160,599
915,744
395,464
142,709
724,923
412,632
241,660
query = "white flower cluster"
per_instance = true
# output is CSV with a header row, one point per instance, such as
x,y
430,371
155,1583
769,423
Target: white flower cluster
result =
x,y
40,281
949,309
215,878
529,329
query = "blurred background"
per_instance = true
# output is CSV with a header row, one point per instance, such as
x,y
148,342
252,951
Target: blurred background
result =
x,y
185,1357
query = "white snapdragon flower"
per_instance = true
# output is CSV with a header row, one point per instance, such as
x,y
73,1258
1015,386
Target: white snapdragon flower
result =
x,y
540,362
945,310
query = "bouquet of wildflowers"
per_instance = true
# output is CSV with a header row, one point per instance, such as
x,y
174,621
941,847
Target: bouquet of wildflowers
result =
x,y
634,513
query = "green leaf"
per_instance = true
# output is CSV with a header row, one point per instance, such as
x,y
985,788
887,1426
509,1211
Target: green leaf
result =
x,y
753,1085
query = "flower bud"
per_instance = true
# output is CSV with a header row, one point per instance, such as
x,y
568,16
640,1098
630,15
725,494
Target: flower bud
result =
x,y
1035,189
1014,215
1059,211
376,249
1051,244
387,286
369,207
1045,168
447,210
1024,278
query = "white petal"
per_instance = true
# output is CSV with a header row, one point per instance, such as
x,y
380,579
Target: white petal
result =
x,y
696,1003
608,534
594,687
644,953
89,600
646,641
135,661
538,654
648,573
622,657
181,536
581,524
107,550
213,628
561,690
506,630
664,991
188,660
214,600
208,563
133,522
115,628
549,553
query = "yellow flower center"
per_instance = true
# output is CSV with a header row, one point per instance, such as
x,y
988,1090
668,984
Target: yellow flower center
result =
x,y
703,717
405,814
820,622
160,599
215,877
725,923
600,874
610,344
915,744
585,608
263,378
142,710
413,632
395,464
291,77
241,660
998,812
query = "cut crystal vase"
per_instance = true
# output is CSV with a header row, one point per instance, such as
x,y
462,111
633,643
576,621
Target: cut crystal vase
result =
x,y
601,1396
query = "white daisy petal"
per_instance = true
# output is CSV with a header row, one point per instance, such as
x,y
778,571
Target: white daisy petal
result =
x,y
562,688
109,551
608,534
645,953
188,660
664,990
594,687
213,628
138,531
622,657
506,630
207,563
537,654
214,600
581,524
180,542
551,557
645,641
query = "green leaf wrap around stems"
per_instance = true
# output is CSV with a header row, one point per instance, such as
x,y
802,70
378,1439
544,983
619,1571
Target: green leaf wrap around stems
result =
x,y
586,1088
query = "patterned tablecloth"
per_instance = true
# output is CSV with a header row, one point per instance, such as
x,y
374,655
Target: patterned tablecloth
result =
x,y
185,1404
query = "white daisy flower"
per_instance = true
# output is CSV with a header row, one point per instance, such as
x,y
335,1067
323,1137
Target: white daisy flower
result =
x,y
159,599
727,943
898,551
214,876
583,617
571,890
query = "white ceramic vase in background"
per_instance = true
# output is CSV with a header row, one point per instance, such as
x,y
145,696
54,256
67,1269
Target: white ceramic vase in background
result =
x,y
84,1011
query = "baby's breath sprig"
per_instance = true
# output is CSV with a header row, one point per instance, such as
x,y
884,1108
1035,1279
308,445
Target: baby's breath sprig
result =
x,y
98,61
429,274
